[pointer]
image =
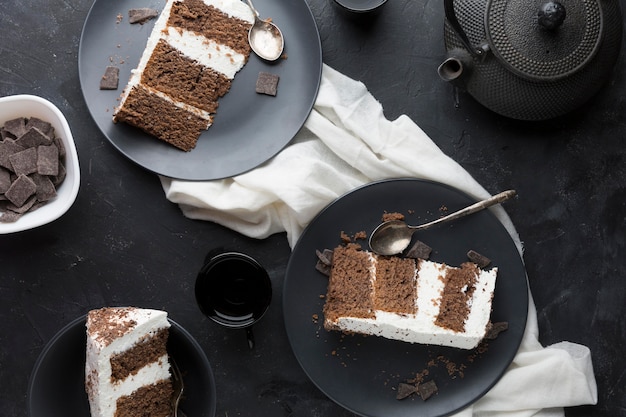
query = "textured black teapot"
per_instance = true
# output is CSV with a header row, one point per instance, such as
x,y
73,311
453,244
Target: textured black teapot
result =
x,y
531,59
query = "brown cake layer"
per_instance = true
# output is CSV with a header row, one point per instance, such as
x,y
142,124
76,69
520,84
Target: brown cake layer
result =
x,y
459,286
183,79
395,286
162,119
151,400
349,286
196,16
145,352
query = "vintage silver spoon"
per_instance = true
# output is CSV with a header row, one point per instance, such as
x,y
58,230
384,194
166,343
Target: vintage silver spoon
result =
x,y
179,388
265,38
394,236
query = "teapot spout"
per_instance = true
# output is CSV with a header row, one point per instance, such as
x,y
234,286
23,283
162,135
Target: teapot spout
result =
x,y
456,67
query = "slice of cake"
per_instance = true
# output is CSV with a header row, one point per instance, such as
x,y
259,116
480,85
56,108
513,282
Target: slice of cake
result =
x,y
192,55
127,371
412,300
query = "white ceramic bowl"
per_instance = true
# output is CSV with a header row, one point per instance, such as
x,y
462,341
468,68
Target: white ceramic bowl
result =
x,y
12,107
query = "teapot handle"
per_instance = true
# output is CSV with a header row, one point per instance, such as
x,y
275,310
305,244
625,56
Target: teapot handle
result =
x,y
456,26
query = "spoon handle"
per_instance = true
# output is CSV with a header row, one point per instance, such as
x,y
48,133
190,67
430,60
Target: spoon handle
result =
x,y
481,205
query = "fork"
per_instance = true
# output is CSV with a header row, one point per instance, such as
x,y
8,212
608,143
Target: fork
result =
x,y
178,386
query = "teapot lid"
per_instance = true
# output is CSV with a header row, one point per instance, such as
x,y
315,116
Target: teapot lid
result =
x,y
546,43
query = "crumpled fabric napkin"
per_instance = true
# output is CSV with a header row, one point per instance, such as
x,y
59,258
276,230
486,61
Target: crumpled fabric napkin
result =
x,y
347,142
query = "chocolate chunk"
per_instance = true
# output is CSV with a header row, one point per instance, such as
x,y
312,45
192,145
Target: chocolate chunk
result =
x,y
326,256
24,162
7,148
5,180
110,79
141,15
480,260
7,216
48,160
45,127
405,390
267,83
419,250
427,389
45,187
20,190
33,137
16,127
495,329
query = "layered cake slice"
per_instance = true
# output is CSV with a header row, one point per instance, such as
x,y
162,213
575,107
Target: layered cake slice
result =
x,y
127,371
192,55
412,300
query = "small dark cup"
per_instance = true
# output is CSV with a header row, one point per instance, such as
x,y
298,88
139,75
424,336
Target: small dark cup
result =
x,y
360,6
233,290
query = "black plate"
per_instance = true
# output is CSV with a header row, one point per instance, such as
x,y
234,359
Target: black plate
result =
x,y
361,373
57,384
249,128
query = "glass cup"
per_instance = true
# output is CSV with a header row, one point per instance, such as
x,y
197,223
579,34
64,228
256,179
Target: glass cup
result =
x,y
233,290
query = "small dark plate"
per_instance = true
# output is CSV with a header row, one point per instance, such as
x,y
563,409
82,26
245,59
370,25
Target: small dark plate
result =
x,y
362,373
248,129
57,384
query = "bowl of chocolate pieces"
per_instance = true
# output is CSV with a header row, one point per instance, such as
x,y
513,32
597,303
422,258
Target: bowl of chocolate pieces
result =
x,y
39,171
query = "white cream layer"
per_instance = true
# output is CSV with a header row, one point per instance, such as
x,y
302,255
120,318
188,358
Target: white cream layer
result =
x,y
207,52
104,394
421,327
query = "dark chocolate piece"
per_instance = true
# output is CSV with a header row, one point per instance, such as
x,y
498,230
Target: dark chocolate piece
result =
x,y
21,190
267,83
16,127
141,15
405,390
33,137
45,127
48,160
24,162
7,148
495,329
5,180
419,250
480,260
110,79
9,216
427,389
326,256
45,188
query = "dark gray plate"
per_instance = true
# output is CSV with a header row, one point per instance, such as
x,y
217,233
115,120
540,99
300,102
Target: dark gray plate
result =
x,y
57,384
249,128
361,373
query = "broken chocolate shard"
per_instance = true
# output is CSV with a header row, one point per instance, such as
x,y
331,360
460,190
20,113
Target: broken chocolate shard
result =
x,y
267,83
405,390
110,79
419,250
141,15
427,389
480,260
326,256
495,329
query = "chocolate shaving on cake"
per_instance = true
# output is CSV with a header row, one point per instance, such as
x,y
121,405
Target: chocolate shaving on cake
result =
x,y
479,259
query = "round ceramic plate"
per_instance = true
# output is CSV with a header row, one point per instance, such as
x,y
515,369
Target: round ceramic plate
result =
x,y
248,129
57,384
362,373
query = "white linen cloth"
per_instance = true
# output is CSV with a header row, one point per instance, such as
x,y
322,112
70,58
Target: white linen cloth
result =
x,y
347,142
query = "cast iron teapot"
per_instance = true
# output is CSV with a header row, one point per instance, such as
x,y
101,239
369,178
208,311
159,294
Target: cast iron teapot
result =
x,y
531,59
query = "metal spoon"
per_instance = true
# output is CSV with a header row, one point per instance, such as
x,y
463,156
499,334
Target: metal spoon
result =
x,y
179,388
394,236
265,38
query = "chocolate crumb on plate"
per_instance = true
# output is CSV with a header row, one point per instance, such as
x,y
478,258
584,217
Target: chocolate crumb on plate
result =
x,y
141,15
110,79
267,83
480,260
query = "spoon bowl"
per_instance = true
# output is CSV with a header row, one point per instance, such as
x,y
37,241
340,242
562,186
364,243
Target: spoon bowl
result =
x,y
265,38
394,236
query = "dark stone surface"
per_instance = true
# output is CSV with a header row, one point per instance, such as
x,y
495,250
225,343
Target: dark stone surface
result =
x,y
122,243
